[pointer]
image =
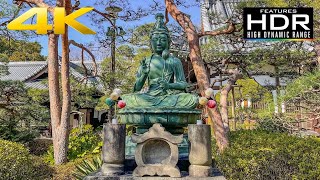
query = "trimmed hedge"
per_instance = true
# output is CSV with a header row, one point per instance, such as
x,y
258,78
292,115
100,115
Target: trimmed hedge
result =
x,y
17,163
255,154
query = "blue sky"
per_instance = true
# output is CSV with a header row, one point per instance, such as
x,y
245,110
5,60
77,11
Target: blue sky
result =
x,y
194,11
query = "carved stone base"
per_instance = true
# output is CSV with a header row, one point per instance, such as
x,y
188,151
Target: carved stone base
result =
x,y
157,153
200,171
112,169
156,170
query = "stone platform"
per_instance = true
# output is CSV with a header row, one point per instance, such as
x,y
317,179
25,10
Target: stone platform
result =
x,y
129,176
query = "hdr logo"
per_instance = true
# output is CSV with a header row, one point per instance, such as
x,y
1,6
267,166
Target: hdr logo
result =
x,y
278,23
59,21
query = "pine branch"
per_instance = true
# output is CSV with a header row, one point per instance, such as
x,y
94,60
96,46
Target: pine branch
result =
x,y
95,71
230,29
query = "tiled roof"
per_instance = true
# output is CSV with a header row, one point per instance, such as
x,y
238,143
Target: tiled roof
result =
x,y
36,85
21,71
78,71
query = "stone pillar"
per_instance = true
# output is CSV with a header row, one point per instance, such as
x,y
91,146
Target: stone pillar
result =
x,y
113,149
200,156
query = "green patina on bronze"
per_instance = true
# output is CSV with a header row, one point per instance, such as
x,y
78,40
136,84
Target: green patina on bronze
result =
x,y
166,101
164,75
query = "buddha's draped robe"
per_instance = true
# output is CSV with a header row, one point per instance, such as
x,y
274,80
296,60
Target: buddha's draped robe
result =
x,y
157,96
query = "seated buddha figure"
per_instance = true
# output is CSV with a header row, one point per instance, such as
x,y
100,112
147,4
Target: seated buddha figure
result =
x,y
164,75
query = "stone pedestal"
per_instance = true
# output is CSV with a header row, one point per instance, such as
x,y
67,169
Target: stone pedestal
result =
x,y
157,153
200,156
113,149
174,120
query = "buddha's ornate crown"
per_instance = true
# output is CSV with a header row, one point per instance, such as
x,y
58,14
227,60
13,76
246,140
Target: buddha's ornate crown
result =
x,y
160,27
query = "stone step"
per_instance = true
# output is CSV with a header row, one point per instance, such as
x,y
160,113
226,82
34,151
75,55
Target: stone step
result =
x,y
183,165
128,176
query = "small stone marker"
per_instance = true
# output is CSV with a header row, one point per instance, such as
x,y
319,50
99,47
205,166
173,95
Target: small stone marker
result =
x,y
113,149
200,156
157,153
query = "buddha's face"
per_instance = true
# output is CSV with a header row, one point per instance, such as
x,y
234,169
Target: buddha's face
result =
x,y
159,42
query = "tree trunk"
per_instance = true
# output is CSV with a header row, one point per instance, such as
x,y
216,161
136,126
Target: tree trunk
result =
x,y
317,48
65,83
233,109
60,114
59,139
224,106
199,69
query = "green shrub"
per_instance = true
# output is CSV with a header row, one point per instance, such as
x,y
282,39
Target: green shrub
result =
x,y
82,141
12,133
39,169
17,163
65,171
264,155
275,124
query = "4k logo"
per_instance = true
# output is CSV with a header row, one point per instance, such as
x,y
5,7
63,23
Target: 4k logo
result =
x,y
59,21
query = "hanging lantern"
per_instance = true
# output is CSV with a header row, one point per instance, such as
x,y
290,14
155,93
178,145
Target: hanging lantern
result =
x,y
110,102
121,104
203,101
212,104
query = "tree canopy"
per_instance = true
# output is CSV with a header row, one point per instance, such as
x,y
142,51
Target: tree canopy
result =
x,y
20,50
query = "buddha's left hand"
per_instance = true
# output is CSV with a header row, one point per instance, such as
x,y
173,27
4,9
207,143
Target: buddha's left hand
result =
x,y
164,84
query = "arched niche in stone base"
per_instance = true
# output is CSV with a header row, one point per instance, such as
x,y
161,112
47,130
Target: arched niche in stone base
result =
x,y
157,153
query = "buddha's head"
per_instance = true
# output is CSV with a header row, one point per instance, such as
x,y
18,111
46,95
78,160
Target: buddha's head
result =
x,y
159,38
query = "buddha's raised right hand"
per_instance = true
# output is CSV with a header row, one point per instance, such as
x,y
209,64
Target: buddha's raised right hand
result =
x,y
144,67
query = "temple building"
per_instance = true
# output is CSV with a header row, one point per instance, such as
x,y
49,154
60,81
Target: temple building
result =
x,y
35,75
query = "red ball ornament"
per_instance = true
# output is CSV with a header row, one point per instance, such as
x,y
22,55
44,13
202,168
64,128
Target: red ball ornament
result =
x,y
121,104
212,104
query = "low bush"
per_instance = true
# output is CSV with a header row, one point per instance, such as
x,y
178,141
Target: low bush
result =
x,y
256,154
275,124
65,171
17,163
12,133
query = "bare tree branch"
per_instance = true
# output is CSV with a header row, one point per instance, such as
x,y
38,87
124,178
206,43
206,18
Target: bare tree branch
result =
x,y
230,29
95,71
39,3
218,80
